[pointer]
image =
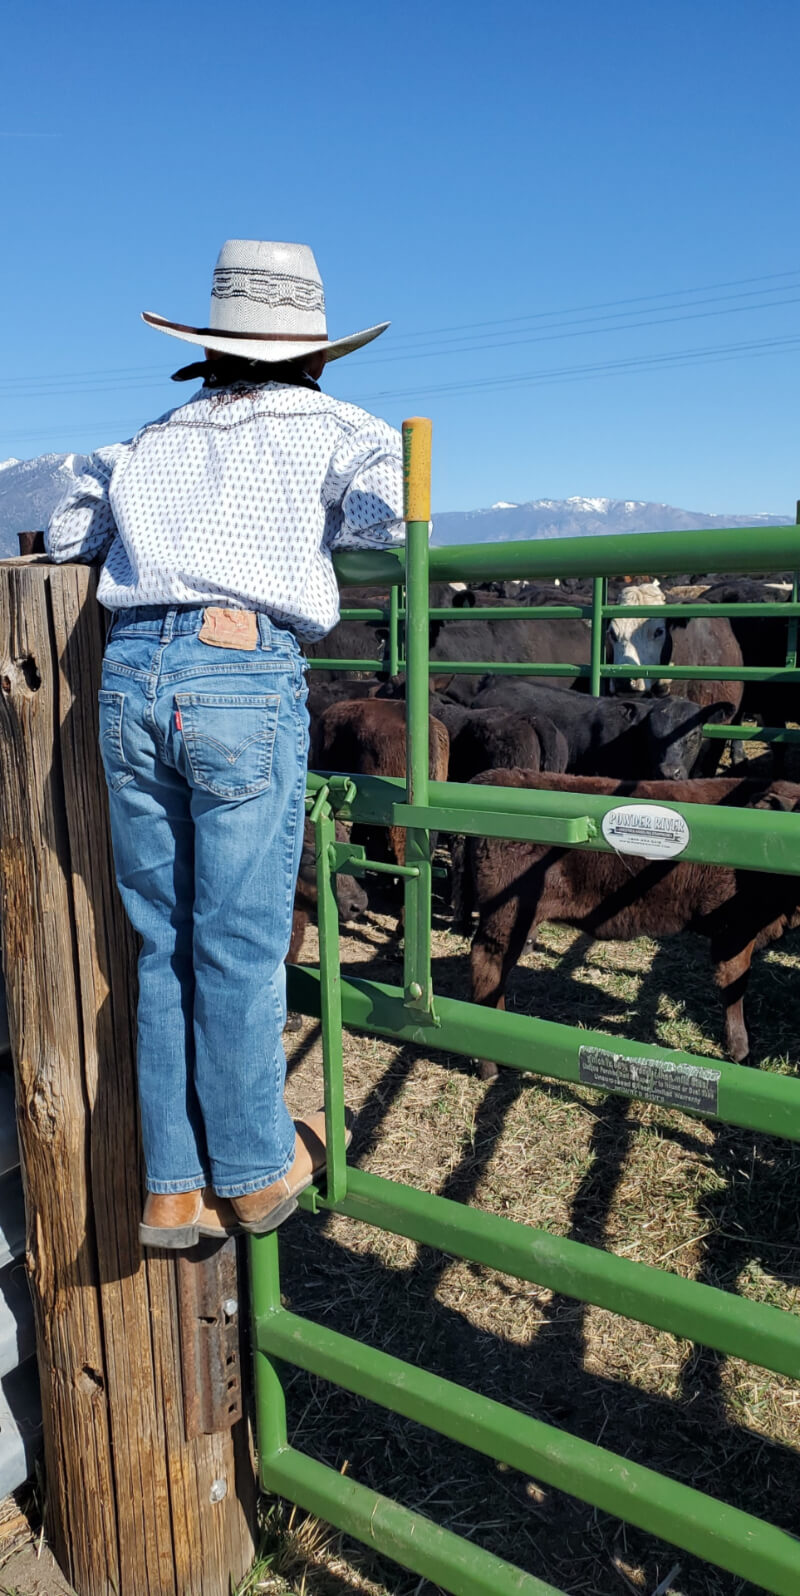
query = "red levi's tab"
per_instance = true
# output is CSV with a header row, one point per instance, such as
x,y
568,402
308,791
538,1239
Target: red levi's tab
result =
x,y
178,721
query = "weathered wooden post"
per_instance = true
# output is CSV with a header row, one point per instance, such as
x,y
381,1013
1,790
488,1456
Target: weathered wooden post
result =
x,y
140,1502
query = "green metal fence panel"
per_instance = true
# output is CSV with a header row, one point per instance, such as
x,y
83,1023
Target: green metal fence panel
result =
x,y
742,838
687,1518
712,1088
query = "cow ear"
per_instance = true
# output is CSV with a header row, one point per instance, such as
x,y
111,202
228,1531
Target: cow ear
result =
x,y
721,713
440,684
464,600
631,712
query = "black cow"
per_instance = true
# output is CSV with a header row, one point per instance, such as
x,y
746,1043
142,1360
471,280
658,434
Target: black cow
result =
x,y
762,640
635,738
483,739
544,642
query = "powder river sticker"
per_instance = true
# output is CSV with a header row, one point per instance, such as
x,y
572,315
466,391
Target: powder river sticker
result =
x,y
649,830
692,1086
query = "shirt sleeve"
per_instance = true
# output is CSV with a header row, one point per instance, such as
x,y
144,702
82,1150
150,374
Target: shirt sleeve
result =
x,y
82,526
365,484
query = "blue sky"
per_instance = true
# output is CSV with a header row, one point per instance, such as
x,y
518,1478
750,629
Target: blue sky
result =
x,y
581,219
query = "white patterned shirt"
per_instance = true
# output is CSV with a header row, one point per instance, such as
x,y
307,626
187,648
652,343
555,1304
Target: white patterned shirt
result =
x,y
237,498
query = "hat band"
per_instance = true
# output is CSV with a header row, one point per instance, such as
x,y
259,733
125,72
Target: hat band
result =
x,y
253,337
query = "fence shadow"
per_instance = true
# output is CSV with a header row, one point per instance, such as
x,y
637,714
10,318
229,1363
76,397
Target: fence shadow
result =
x,y
399,1308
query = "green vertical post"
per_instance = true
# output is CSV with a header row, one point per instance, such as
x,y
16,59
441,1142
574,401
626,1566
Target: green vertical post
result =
x,y
265,1293
331,1002
791,630
599,596
416,510
394,642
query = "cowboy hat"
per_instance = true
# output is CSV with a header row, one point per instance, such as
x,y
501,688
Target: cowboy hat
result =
x,y
267,304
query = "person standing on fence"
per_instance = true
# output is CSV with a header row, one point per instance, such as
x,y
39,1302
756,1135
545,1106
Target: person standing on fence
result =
x,y
216,525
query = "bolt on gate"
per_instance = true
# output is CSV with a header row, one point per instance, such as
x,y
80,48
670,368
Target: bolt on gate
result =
x,y
766,1336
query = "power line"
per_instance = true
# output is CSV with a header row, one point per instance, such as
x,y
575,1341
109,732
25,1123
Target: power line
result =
x,y
616,316
603,304
599,368
553,336
708,355
68,378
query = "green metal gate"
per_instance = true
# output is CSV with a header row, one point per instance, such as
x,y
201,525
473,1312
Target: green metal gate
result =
x,y
764,1335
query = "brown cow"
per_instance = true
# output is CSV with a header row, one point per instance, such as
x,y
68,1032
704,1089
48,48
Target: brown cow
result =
x,y
350,896
517,885
368,738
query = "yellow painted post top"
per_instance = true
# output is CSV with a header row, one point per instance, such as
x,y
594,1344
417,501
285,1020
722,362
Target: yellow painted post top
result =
x,y
417,433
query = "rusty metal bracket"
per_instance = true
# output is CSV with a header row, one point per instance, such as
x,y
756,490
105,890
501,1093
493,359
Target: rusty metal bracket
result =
x,y
208,1300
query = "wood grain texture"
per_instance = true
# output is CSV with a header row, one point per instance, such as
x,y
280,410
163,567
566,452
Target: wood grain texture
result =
x,y
129,1505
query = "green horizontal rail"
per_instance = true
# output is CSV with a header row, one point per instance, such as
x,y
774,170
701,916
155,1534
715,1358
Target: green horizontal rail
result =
x,y
561,831
565,612
509,612
745,839
447,1560
707,673
756,734
687,673
349,858
376,666
758,1100
766,1336
740,548
717,612
685,1517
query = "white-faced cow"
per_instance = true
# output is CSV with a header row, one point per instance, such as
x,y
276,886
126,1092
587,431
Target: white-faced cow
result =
x,y
669,640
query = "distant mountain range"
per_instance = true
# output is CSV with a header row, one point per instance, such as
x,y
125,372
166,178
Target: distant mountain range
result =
x,y
561,518
31,489
29,492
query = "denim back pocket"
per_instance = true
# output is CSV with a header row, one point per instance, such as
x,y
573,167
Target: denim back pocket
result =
x,y
112,753
229,740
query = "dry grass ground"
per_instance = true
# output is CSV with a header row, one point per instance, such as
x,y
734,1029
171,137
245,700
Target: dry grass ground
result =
x,y
651,1184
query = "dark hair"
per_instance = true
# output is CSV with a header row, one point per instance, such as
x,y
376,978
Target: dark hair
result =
x,y
223,371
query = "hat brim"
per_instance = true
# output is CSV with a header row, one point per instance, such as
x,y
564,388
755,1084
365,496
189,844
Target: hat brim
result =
x,y
269,351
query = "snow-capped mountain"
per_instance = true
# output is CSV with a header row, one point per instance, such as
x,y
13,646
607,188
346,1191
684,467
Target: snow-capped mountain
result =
x,y
579,517
29,492
31,489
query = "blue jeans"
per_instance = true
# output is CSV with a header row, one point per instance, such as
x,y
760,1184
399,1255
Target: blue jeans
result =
x,y
205,753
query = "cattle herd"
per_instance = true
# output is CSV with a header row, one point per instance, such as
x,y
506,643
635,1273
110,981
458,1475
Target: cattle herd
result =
x,y
641,740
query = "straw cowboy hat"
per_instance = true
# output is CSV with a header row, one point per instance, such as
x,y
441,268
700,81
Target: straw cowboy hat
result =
x,y
267,304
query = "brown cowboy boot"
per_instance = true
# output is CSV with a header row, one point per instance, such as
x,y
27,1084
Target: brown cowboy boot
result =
x,y
179,1219
261,1211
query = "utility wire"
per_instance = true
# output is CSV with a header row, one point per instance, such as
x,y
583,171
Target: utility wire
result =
x,y
120,374
707,355
552,335
603,304
683,357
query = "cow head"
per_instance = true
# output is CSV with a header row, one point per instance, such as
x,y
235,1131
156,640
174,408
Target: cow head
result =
x,y
675,735
351,898
640,642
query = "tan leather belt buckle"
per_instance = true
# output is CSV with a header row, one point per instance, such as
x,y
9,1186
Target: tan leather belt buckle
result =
x,y
229,628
